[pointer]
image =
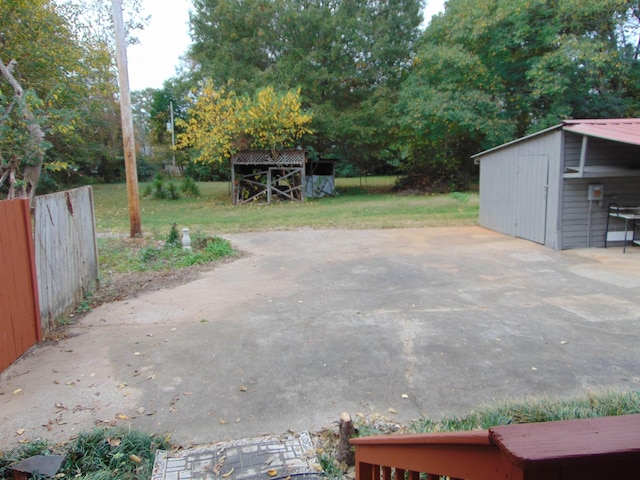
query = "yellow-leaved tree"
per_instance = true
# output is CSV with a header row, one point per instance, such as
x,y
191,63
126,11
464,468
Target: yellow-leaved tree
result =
x,y
274,120
219,122
212,124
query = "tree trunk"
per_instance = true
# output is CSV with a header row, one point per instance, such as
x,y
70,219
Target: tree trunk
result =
x,y
31,174
346,453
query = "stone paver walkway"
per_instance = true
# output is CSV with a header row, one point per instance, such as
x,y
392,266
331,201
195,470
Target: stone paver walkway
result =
x,y
271,458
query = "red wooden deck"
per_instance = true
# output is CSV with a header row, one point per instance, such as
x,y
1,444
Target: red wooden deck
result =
x,y
591,449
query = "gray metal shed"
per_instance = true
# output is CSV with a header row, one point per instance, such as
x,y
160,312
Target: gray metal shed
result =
x,y
560,187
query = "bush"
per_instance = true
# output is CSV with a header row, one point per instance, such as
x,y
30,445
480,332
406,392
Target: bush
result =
x,y
173,239
160,189
189,187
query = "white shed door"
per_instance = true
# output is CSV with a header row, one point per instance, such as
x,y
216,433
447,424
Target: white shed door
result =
x,y
531,197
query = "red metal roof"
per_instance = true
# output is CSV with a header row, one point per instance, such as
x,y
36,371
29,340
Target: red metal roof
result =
x,y
624,130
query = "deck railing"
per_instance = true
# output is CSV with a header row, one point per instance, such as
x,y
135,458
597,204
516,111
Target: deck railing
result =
x,y
599,448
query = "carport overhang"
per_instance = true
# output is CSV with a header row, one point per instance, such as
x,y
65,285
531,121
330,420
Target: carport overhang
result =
x,y
621,130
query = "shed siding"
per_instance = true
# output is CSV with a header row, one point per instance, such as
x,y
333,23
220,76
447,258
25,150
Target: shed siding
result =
x,y
575,210
510,197
582,228
520,189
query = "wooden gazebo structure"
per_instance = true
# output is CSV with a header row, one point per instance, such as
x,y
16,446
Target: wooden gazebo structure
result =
x,y
264,175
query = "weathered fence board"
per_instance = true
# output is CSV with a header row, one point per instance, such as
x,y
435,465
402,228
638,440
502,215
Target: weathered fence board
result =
x,y
19,313
66,253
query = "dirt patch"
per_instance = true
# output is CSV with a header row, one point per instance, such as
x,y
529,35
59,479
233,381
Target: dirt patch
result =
x,y
120,286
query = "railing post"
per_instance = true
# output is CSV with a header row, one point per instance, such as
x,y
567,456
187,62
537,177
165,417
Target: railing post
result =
x,y
364,471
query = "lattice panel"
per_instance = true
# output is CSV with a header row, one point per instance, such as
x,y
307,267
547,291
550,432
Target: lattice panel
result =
x,y
264,157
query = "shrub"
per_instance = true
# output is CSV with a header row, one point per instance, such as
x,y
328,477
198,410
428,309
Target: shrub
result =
x,y
189,187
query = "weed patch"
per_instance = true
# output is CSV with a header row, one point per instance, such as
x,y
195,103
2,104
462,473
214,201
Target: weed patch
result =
x,y
114,454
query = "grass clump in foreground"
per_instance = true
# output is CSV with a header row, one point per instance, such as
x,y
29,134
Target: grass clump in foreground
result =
x,y
101,454
534,410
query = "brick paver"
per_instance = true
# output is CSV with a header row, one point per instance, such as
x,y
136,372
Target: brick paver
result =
x,y
268,458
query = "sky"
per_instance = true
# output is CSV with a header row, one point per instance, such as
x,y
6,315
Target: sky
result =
x,y
166,38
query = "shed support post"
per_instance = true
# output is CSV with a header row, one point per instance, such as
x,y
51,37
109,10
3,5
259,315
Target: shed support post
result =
x,y
234,192
583,154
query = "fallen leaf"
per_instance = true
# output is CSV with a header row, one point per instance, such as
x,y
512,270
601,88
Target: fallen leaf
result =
x,y
272,472
391,410
228,474
135,458
122,416
238,420
219,465
20,431
17,391
140,410
243,388
222,421
113,442
70,383
187,393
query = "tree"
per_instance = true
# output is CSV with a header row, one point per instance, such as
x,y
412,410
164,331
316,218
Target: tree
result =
x,y
489,71
64,64
23,129
42,66
348,57
212,125
448,110
274,120
220,122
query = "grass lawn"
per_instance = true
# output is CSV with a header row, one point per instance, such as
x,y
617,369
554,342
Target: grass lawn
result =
x,y
359,204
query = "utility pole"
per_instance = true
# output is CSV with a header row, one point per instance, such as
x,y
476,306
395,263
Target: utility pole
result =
x,y
128,139
173,138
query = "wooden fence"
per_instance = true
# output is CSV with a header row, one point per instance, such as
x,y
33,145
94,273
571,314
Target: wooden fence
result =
x,y
19,312
66,252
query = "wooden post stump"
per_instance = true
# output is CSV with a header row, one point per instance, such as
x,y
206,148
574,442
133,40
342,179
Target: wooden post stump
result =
x,y
346,453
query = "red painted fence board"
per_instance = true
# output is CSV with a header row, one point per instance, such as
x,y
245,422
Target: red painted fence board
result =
x,y
19,309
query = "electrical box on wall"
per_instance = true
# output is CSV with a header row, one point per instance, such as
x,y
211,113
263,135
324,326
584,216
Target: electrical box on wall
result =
x,y
596,193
